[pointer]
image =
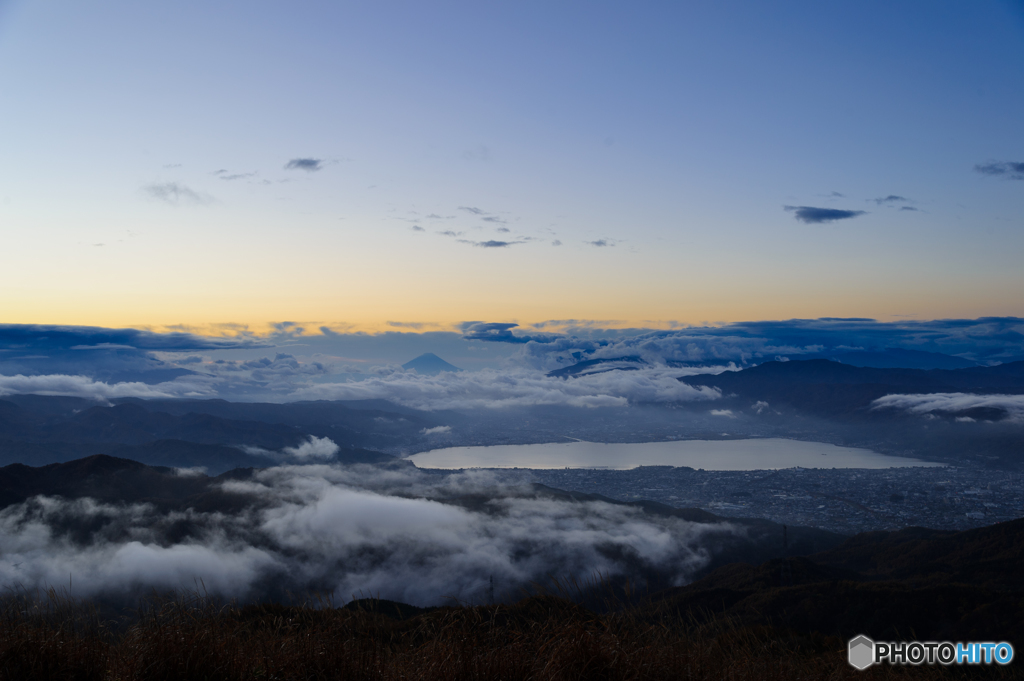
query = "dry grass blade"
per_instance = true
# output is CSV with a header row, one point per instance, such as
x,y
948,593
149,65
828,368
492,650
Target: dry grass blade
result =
x,y
541,638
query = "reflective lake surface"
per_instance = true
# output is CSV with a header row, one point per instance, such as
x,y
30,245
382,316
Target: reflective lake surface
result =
x,y
712,455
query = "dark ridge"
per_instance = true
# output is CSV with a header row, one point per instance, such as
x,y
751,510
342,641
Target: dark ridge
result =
x,y
39,430
101,477
828,388
181,454
391,609
895,358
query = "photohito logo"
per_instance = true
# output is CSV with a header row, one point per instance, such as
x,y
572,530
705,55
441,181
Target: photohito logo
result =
x,y
863,652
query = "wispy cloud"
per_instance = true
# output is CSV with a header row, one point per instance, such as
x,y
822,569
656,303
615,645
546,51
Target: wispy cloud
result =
x,y
815,215
892,198
308,164
176,194
1012,170
472,209
951,403
225,175
491,243
83,386
601,243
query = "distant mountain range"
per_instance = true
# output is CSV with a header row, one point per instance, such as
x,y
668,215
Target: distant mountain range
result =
x,y
214,434
828,388
895,358
826,400
817,399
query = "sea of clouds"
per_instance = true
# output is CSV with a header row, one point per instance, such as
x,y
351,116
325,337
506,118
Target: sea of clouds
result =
x,y
396,533
106,364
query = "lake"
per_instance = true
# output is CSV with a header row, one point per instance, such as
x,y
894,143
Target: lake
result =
x,y
712,455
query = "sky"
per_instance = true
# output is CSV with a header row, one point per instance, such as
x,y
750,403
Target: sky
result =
x,y
350,165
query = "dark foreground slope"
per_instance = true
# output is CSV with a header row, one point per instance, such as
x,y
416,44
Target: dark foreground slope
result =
x,y
915,583
787,619
540,638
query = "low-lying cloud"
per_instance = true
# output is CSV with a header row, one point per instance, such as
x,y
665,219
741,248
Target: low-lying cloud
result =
x,y
490,388
952,403
399,534
82,386
312,450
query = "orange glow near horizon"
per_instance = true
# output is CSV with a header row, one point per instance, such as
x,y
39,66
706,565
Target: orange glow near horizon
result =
x,y
219,322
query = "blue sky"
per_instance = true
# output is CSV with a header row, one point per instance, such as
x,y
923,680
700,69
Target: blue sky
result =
x,y
636,161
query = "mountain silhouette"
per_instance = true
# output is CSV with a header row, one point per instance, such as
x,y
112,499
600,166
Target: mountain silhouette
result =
x,y
429,363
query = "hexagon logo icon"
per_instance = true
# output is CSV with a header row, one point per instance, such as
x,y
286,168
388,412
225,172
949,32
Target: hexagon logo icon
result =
x,y
861,652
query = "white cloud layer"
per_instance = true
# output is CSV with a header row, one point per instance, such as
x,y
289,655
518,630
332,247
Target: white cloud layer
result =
x,y
349,530
490,388
83,386
1013,405
656,348
313,449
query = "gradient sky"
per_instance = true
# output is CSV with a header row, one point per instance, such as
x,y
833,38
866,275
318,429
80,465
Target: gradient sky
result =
x,y
641,157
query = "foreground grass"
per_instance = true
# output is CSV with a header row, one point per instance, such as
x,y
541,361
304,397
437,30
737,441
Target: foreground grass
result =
x,y
542,637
